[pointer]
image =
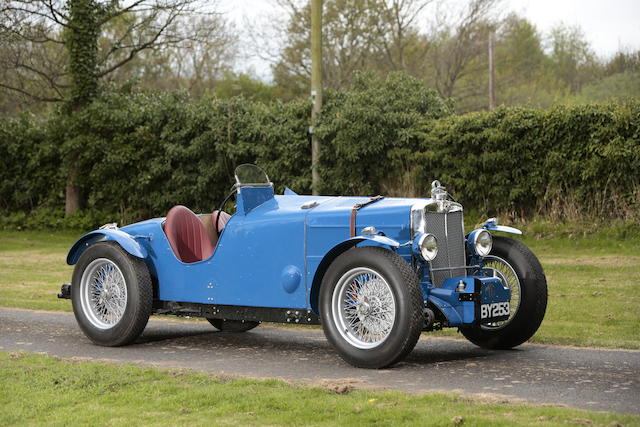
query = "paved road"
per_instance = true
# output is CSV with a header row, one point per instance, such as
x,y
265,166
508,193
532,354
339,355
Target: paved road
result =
x,y
582,378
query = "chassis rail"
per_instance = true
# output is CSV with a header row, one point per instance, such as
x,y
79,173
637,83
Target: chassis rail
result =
x,y
234,312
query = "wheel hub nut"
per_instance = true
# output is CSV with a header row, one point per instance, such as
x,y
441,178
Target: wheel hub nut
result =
x,y
363,308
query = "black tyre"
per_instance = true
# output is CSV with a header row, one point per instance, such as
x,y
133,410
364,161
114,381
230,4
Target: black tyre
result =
x,y
516,265
371,307
226,325
112,295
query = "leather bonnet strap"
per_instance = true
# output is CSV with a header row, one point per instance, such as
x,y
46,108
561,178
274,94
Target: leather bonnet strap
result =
x,y
354,212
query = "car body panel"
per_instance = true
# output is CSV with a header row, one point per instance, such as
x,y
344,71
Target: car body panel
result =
x,y
126,240
261,258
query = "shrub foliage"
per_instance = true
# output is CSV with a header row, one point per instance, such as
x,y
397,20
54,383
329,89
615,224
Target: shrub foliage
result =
x,y
142,153
566,162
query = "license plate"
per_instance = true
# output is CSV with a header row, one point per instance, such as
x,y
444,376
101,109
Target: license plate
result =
x,y
494,311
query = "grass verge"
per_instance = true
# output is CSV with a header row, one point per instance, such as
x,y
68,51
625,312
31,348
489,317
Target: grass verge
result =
x,y
38,389
32,268
594,299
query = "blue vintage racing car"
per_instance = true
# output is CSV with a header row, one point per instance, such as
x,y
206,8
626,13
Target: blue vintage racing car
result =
x,y
375,272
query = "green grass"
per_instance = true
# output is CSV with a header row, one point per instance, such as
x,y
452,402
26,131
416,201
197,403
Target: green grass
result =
x,y
32,268
36,389
594,297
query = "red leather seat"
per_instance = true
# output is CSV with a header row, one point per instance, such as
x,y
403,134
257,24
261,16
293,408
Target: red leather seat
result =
x,y
209,220
187,235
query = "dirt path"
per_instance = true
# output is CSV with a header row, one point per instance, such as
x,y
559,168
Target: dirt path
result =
x,y
583,378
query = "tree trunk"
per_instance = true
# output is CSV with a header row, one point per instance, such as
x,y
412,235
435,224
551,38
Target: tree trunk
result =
x,y
72,194
81,41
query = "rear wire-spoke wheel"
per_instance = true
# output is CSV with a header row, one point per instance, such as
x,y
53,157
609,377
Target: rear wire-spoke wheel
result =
x,y
371,307
520,270
112,294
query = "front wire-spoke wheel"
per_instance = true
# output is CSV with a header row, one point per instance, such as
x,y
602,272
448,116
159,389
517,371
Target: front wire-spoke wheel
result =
x,y
371,307
103,293
363,308
112,294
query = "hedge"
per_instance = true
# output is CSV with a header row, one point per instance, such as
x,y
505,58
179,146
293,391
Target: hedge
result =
x,y
143,152
566,162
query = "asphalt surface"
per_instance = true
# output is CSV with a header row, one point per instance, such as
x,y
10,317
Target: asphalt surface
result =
x,y
582,378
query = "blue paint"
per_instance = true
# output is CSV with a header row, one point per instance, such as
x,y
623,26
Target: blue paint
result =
x,y
291,278
252,197
125,240
460,313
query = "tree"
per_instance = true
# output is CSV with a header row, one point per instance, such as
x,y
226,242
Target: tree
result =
x,y
195,64
523,76
358,35
231,85
572,59
458,42
398,33
347,42
73,76
32,61
621,62
520,50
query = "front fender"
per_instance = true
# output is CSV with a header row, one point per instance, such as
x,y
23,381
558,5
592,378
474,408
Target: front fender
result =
x,y
338,249
377,239
125,240
492,225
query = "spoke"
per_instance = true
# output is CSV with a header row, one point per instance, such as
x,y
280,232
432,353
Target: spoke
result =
x,y
366,307
104,293
502,270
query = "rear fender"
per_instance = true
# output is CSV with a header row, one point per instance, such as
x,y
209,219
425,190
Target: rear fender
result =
x,y
125,240
335,252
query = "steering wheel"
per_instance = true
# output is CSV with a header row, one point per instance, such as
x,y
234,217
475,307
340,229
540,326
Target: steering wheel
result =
x,y
224,202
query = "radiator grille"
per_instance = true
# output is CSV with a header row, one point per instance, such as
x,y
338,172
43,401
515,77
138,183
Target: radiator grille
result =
x,y
447,227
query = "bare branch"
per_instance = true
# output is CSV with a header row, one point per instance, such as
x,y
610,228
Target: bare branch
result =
x,y
30,95
117,13
42,9
137,48
58,16
51,80
32,61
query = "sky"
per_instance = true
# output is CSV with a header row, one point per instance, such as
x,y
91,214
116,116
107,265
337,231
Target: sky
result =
x,y
609,25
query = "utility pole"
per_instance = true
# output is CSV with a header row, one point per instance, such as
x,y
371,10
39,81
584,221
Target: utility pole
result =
x,y
316,90
492,75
